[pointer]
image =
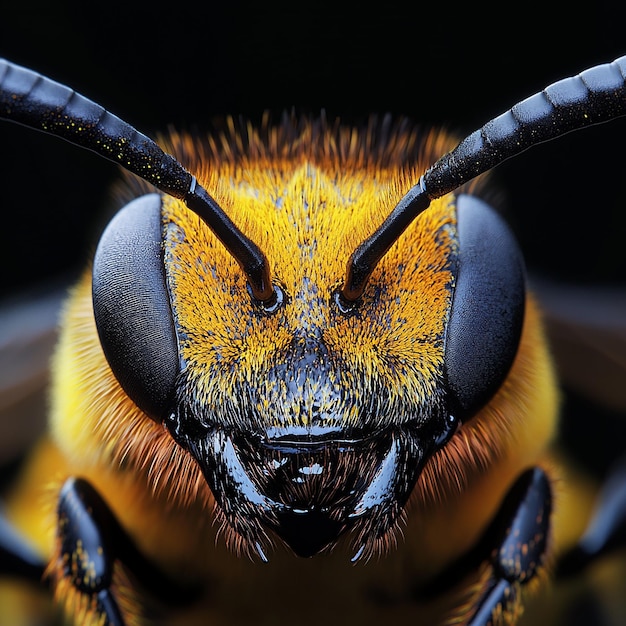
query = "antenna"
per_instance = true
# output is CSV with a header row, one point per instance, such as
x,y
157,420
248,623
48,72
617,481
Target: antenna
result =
x,y
33,100
596,95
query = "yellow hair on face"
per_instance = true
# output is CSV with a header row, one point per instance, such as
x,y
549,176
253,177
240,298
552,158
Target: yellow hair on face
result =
x,y
308,196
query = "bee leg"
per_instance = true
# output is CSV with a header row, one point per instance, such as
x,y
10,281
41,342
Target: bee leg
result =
x,y
519,536
87,538
606,531
90,541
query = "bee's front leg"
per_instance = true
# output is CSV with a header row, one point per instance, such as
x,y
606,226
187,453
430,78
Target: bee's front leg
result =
x,y
91,544
519,538
88,542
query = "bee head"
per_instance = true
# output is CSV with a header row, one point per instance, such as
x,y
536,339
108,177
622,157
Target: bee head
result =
x,y
310,420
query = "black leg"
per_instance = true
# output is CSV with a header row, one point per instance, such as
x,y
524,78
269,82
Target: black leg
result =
x,y
520,532
90,541
87,539
510,553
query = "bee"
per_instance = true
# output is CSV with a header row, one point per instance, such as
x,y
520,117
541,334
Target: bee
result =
x,y
303,378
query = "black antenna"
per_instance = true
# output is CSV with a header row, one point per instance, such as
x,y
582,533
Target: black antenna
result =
x,y
594,96
35,101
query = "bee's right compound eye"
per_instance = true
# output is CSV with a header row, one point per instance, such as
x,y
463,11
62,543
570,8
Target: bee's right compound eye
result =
x,y
132,306
485,324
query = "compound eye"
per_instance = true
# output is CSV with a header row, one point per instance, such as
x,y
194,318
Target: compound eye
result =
x,y
132,306
487,312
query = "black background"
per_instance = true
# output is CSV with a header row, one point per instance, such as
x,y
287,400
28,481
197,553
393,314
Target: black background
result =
x,y
183,64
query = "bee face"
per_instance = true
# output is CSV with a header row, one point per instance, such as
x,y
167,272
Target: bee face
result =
x,y
309,420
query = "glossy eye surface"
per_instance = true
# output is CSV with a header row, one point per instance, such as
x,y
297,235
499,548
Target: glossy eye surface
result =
x,y
485,324
132,307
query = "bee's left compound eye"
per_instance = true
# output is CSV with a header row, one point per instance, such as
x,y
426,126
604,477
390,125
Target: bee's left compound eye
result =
x,y
485,323
132,306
